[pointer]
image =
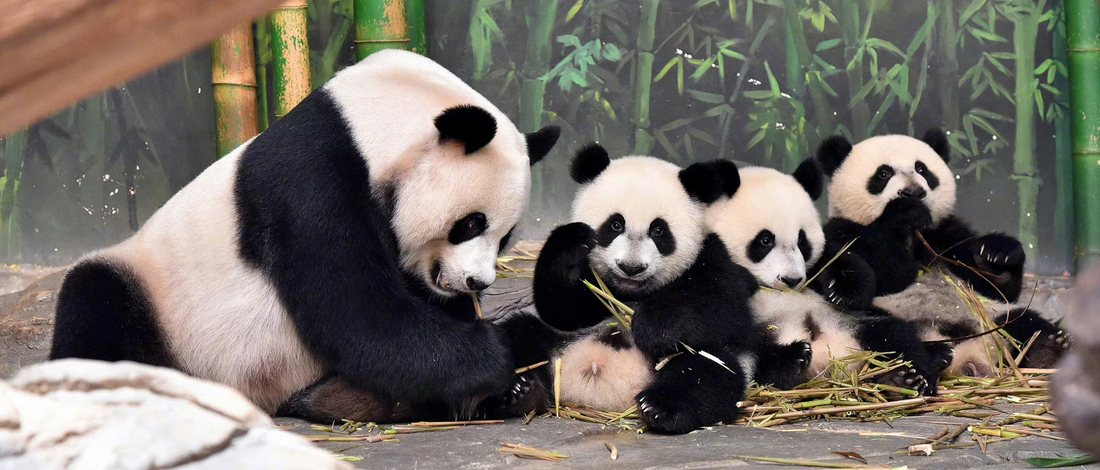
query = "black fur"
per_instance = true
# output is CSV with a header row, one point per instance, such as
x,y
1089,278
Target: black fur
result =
x,y
761,245
997,258
832,152
810,175
540,142
848,283
662,236
804,246
1022,324
467,228
611,229
783,366
886,245
589,161
936,139
884,333
333,261
707,181
880,179
104,313
927,174
560,298
473,126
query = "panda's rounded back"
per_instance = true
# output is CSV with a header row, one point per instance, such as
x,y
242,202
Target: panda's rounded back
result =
x,y
879,169
646,192
769,205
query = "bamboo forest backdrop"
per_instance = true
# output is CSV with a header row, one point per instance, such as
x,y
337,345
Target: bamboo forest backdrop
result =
x,y
758,81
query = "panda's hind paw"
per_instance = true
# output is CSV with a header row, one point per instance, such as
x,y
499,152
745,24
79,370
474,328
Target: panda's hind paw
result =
x,y
907,378
1047,350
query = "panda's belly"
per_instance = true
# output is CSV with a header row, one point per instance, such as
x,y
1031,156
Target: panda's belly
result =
x,y
222,319
598,375
807,317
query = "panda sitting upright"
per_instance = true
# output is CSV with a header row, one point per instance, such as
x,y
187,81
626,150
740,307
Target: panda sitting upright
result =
x,y
771,227
640,226
890,191
344,241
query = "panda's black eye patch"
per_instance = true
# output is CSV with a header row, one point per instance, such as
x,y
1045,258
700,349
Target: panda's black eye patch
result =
x,y
468,228
611,228
804,245
504,241
761,245
929,178
661,235
878,182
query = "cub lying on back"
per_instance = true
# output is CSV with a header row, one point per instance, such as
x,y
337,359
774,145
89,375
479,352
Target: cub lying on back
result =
x,y
885,191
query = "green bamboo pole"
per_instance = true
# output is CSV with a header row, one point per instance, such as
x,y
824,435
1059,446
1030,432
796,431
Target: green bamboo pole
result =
x,y
1025,172
850,25
948,39
263,58
290,54
14,152
418,37
1063,156
647,30
1083,49
234,79
380,24
798,76
537,63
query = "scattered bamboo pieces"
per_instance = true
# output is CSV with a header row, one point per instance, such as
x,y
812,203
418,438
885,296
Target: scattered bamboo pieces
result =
x,y
810,463
557,387
528,452
477,305
614,450
921,450
532,366
327,438
456,423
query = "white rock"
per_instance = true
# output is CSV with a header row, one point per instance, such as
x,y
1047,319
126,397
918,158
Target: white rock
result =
x,y
80,414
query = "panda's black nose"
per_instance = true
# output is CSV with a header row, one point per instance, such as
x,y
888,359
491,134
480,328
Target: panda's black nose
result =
x,y
914,191
791,281
632,269
475,284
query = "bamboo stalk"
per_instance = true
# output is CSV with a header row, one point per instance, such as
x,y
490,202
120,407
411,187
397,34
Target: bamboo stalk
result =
x,y
290,54
647,29
379,25
851,33
263,58
418,38
234,79
1083,49
1025,171
1063,150
948,39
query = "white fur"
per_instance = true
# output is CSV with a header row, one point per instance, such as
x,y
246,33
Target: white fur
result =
x,y
595,374
848,195
390,101
768,199
223,320
787,316
642,189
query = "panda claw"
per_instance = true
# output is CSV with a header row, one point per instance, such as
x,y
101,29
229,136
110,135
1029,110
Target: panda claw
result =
x,y
981,252
832,283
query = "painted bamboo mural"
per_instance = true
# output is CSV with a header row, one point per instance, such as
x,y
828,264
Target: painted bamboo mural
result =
x,y
1083,49
290,55
380,24
536,65
1025,32
418,34
647,25
234,79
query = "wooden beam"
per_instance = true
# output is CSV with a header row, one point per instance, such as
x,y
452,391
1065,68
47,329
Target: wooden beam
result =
x,y
56,52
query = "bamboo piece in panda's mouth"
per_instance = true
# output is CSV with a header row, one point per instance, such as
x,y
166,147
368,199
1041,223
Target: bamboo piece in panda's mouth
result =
x,y
477,305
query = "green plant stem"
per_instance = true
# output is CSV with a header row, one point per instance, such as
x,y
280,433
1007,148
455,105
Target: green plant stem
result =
x,y
647,30
290,54
850,25
1063,157
263,57
1083,49
234,80
14,152
948,39
380,24
1025,32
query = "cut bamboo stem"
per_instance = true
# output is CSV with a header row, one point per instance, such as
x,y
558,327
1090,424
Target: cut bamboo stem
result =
x,y
379,25
290,47
234,79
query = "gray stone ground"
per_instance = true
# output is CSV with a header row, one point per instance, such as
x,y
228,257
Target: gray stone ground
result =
x,y
26,316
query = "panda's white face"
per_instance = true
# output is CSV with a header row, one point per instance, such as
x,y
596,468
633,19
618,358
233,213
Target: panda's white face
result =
x,y
453,212
649,230
770,226
881,169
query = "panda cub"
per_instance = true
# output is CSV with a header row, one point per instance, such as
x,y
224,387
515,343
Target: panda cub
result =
x,y
640,226
341,243
886,191
772,228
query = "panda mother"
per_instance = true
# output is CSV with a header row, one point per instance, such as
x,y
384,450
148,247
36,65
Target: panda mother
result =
x,y
344,241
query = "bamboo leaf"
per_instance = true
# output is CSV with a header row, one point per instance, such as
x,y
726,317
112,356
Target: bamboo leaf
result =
x,y
757,94
1042,68
922,34
861,94
881,44
680,77
703,136
573,11
990,114
672,63
1039,104
734,54
826,45
705,97
1004,55
675,124
970,10
1061,462
996,63
718,110
771,80
703,67
985,125
1052,90
986,35
757,138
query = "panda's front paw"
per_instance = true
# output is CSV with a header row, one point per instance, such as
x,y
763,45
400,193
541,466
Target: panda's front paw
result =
x,y
908,378
907,214
567,248
848,283
665,411
997,253
940,357
527,393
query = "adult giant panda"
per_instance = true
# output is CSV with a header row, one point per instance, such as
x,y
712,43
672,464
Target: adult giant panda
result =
x,y
639,224
884,191
771,227
345,241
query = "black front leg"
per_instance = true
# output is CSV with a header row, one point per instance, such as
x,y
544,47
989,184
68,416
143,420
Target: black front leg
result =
x,y
691,391
561,299
848,283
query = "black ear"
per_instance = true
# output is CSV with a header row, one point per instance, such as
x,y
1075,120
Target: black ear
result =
x,y
809,175
832,153
707,181
936,139
469,124
541,141
588,163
